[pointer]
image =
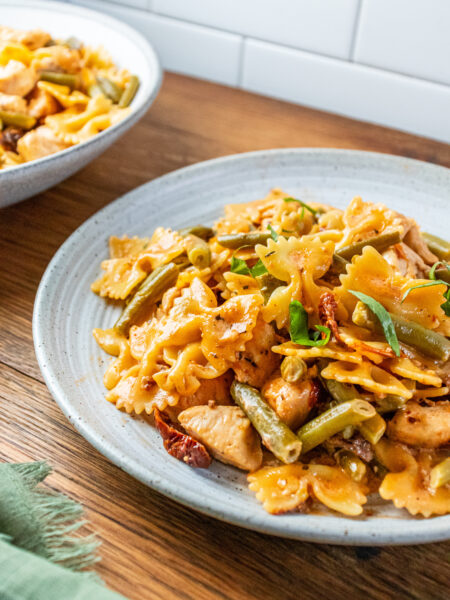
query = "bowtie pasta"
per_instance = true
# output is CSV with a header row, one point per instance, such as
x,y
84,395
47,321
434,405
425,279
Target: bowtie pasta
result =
x,y
304,344
55,93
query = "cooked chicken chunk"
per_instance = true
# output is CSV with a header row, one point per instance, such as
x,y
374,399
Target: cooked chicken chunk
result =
x,y
406,261
415,241
36,38
12,103
227,434
38,143
41,104
423,426
17,79
58,58
258,362
291,401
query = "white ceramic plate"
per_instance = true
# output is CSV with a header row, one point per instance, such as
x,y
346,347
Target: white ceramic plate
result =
x,y
66,311
128,48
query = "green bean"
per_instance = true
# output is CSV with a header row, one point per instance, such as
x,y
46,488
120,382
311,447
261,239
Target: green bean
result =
x,y
340,392
443,274
352,464
237,240
332,421
339,264
129,92
201,231
293,369
389,403
424,340
440,474
275,434
94,90
198,251
373,429
268,284
437,246
109,88
149,292
17,119
379,242
59,78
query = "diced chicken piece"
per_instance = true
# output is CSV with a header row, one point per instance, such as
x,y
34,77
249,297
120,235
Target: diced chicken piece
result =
x,y
422,426
38,143
35,38
227,434
17,79
291,401
257,362
415,241
58,58
406,261
12,103
211,391
41,104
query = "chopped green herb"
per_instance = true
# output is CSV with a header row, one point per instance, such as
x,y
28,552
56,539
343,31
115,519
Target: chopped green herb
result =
x,y
298,327
273,233
432,273
239,266
258,269
311,210
446,306
383,316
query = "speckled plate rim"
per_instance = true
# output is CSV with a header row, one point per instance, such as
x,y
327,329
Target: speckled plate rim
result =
x,y
325,529
138,110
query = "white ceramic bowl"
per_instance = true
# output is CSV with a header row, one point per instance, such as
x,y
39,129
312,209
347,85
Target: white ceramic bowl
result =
x,y
128,48
73,365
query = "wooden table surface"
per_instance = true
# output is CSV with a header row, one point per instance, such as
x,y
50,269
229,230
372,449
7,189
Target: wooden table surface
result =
x,y
151,546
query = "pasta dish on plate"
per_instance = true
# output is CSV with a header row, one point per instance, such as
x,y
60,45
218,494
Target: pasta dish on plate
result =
x,y
304,344
55,94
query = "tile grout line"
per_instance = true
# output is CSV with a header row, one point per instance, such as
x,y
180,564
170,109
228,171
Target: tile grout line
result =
x,y
356,27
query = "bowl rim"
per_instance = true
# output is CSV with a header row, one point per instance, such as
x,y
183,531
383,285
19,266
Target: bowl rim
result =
x,y
343,530
143,45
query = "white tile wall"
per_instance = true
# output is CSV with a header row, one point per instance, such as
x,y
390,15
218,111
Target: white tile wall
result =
x,y
408,36
353,90
323,26
384,61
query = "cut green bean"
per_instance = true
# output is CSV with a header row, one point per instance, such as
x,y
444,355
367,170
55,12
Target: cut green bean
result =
x,y
389,403
443,275
438,246
275,434
129,92
373,429
17,119
332,421
352,464
149,292
60,78
109,88
339,264
237,240
201,231
94,90
340,392
440,474
198,251
380,242
293,369
424,340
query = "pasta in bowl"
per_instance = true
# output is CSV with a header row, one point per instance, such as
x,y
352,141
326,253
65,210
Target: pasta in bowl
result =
x,y
304,344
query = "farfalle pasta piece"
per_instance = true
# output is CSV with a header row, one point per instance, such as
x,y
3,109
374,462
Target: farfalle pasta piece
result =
x,y
240,284
371,274
407,485
363,220
63,95
375,351
125,246
431,393
405,367
367,375
14,51
331,350
121,277
286,488
299,263
116,345
165,245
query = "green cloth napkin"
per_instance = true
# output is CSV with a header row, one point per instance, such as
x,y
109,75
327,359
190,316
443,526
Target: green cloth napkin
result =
x,y
36,527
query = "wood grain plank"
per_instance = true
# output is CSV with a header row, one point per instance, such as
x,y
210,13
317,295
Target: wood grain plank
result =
x,y
153,548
